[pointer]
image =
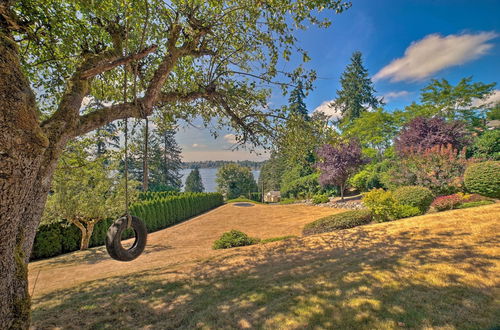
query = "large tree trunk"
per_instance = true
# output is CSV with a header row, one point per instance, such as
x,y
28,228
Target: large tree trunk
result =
x,y
27,161
145,163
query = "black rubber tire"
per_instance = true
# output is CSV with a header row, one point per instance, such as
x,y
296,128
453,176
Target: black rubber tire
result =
x,y
114,239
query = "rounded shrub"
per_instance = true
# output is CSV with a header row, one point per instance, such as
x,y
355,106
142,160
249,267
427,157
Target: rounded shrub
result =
x,y
319,199
338,221
416,196
483,178
234,238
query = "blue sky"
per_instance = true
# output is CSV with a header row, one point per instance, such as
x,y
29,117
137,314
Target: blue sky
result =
x,y
405,43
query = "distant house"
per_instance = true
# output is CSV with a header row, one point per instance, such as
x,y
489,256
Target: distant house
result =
x,y
493,124
272,197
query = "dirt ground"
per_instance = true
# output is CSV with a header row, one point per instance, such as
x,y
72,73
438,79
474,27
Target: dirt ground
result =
x,y
184,243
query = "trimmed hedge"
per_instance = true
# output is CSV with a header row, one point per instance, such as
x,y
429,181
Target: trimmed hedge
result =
x,y
156,212
483,178
338,221
416,196
151,195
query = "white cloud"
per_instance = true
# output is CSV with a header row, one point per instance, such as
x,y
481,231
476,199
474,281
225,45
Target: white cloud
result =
x,y
433,53
394,95
230,138
327,110
493,99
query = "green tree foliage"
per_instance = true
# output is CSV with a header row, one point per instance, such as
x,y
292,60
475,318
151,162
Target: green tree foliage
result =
x,y
296,102
164,159
234,181
487,145
193,182
85,189
459,102
375,131
357,92
271,173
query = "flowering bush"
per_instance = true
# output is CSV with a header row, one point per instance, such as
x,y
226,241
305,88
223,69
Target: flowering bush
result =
x,y
443,203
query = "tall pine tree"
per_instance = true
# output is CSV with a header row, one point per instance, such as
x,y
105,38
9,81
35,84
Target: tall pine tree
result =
x,y
166,161
296,102
357,92
193,181
163,159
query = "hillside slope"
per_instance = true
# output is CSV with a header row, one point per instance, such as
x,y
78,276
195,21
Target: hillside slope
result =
x,y
434,271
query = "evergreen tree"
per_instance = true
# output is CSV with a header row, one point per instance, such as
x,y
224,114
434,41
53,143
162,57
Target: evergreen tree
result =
x,y
193,182
163,159
357,92
296,102
166,161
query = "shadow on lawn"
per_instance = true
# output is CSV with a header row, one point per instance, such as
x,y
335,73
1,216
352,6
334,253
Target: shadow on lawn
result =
x,y
355,279
95,255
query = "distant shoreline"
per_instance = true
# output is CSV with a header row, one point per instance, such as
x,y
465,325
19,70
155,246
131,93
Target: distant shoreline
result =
x,y
254,165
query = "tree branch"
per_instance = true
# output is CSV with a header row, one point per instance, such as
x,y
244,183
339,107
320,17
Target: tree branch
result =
x,y
101,117
109,65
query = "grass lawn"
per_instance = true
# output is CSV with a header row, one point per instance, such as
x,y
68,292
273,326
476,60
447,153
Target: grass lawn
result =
x,y
437,271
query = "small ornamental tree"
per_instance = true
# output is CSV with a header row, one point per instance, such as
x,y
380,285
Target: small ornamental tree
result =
x,y
424,133
193,182
339,162
86,190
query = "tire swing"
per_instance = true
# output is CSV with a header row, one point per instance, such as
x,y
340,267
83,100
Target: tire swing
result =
x,y
114,234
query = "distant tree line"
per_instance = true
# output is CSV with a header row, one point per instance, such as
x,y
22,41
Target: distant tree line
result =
x,y
254,165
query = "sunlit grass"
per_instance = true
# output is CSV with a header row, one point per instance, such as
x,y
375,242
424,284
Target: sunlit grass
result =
x,y
439,271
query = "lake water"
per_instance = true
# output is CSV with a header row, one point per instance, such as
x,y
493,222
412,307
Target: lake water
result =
x,y
208,177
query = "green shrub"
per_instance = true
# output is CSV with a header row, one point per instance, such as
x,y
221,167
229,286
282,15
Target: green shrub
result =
x,y
288,201
301,187
47,241
319,199
419,197
385,206
234,238
487,146
474,204
407,211
382,204
483,178
338,221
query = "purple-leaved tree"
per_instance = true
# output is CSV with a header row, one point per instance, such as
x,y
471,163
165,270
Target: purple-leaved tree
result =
x,y
424,133
339,162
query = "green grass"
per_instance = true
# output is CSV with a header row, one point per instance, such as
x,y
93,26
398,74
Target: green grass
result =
x,y
466,205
